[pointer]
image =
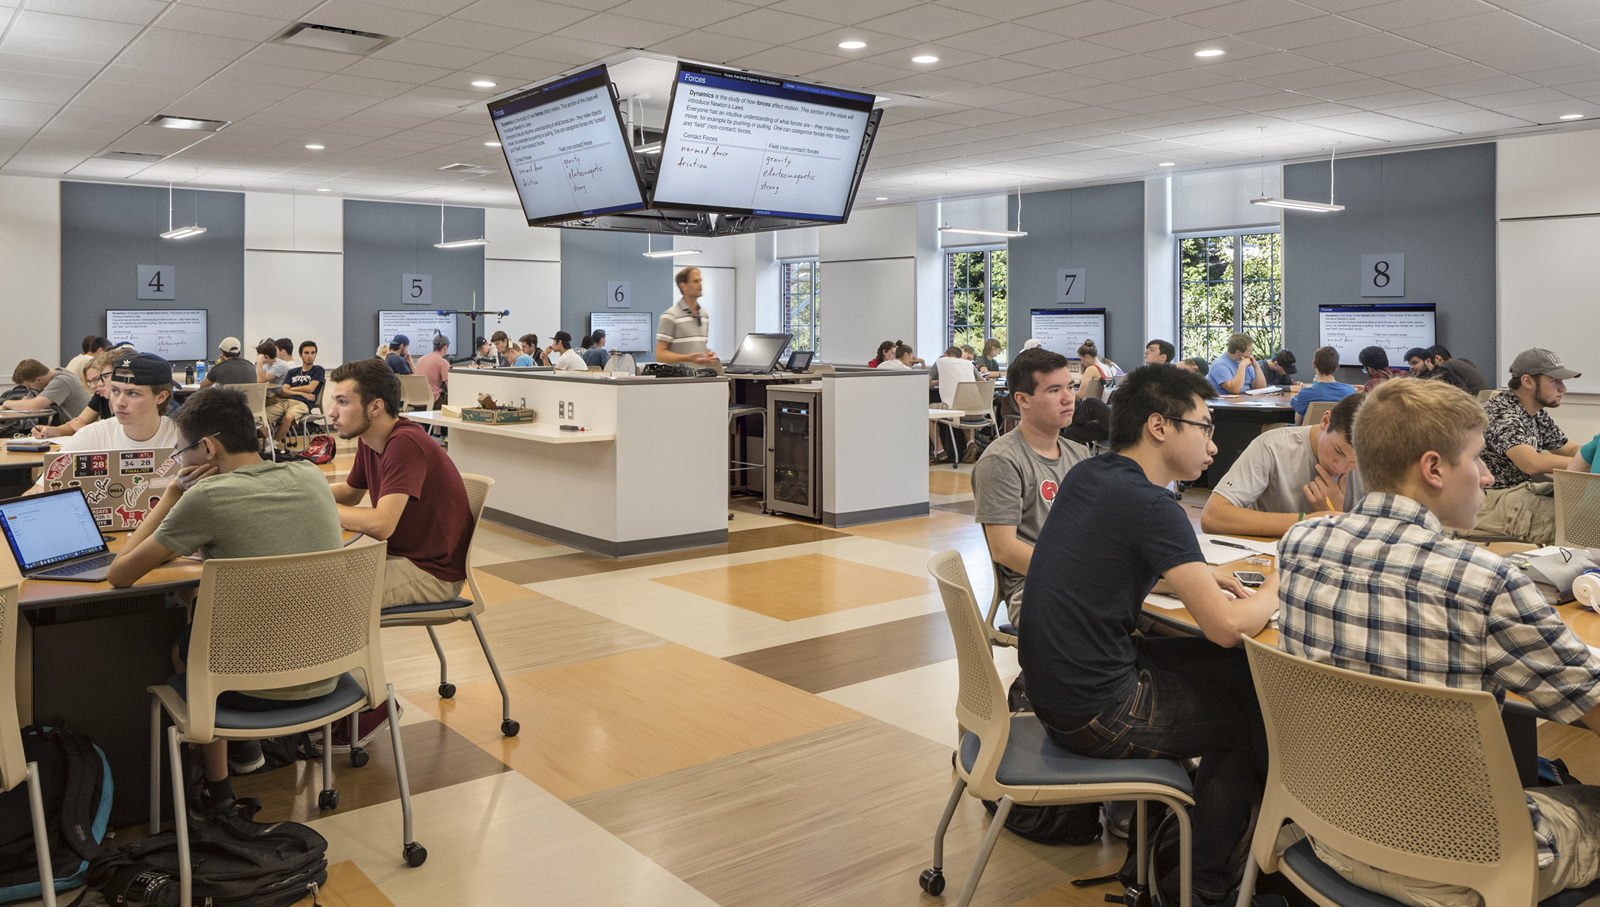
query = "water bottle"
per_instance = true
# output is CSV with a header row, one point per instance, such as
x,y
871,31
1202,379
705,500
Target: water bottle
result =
x,y
188,375
200,370
1586,589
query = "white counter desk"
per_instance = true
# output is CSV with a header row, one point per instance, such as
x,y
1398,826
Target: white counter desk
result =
x,y
651,475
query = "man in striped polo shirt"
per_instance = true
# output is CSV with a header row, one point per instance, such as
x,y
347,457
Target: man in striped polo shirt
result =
x,y
681,334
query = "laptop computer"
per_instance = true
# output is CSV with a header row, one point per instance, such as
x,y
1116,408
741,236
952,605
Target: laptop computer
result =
x,y
757,355
799,361
54,537
121,486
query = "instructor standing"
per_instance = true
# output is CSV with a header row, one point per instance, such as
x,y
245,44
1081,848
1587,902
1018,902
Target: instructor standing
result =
x,y
683,329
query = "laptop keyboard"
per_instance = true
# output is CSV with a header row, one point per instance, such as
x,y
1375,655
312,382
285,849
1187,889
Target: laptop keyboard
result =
x,y
73,569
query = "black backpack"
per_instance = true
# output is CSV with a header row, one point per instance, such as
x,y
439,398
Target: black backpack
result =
x,y
1076,824
75,785
237,863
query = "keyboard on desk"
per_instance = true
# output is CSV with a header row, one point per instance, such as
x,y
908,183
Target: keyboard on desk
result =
x,y
73,569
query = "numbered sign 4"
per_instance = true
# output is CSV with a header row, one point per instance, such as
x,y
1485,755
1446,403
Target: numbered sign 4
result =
x,y
416,289
1383,274
157,282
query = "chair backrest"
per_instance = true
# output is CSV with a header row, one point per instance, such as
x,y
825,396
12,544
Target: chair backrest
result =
x,y
1577,508
981,700
255,395
415,391
477,493
1315,410
974,396
1412,778
13,761
266,622
1095,388
1486,393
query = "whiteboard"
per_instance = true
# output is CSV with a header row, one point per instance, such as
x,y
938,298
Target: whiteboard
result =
x,y
173,334
1395,327
628,332
864,303
1064,330
1547,295
299,295
419,327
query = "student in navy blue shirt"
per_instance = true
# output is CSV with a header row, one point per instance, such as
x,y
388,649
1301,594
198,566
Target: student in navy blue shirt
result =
x,y
1325,387
399,360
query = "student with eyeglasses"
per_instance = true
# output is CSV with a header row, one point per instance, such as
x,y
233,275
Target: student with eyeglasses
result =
x,y
97,378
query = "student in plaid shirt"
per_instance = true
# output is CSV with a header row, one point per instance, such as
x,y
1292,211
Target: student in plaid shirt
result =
x,y
1384,589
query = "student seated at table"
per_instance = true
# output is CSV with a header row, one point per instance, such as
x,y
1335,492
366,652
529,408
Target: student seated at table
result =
x,y
884,354
562,355
141,393
1435,363
225,501
594,350
229,368
1385,590
1521,445
1235,371
97,380
1159,352
92,344
531,354
1016,479
1095,378
1103,691
1279,368
436,368
900,357
269,368
1375,364
1195,364
1325,387
950,371
419,503
57,392
399,356
989,363
1286,474
1585,460
503,355
297,393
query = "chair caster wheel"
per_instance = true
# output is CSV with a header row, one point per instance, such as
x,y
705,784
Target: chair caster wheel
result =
x,y
416,855
359,756
932,881
447,690
329,799
510,727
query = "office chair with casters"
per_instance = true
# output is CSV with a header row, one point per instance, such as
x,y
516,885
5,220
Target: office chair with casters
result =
x,y
1011,759
262,623
1003,634
415,391
975,401
438,614
1411,778
255,396
315,416
15,768
1577,508
1315,410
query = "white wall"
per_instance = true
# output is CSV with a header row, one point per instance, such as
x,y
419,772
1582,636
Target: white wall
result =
x,y
294,270
30,257
1160,263
521,272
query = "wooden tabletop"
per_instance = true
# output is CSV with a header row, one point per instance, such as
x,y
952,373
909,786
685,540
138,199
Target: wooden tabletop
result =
x,y
38,593
1245,402
24,459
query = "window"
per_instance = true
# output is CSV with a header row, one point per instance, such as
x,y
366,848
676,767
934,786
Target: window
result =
x,y
800,313
975,298
1230,283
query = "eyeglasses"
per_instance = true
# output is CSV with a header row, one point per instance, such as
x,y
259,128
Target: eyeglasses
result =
x,y
97,379
1210,428
180,452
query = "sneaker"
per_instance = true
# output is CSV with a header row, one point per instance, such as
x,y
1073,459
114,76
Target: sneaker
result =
x,y
244,756
1119,817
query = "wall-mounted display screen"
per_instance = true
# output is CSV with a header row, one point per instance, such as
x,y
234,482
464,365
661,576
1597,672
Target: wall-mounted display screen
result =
x,y
627,332
172,334
742,143
1395,327
568,153
1064,330
420,328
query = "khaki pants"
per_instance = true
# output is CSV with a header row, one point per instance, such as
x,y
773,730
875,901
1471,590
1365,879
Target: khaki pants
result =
x,y
277,407
404,583
1574,813
1520,512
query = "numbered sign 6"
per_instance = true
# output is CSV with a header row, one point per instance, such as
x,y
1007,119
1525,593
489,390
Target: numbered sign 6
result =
x,y
1383,274
619,294
157,282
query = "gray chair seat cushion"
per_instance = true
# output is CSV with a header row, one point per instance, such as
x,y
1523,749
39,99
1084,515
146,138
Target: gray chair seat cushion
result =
x,y
453,604
293,711
1032,758
1319,875
1007,629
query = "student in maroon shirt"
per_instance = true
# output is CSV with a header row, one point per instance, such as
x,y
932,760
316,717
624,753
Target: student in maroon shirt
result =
x,y
419,504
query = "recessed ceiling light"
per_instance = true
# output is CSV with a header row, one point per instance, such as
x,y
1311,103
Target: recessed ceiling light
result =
x,y
492,144
1167,164
483,83
1211,52
315,147
925,58
882,198
322,190
852,45
1572,116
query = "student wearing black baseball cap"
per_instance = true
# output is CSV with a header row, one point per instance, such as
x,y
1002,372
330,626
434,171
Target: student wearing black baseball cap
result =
x,y
141,392
399,358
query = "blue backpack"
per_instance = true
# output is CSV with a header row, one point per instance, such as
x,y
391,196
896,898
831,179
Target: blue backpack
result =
x,y
75,784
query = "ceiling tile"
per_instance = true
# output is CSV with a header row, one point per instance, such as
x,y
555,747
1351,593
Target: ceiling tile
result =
x,y
780,59
1049,83
562,50
306,58
1480,87
74,28
709,48
1126,69
1065,54
1397,64
1444,75
133,12
220,24
1362,48
166,41
460,33
1453,31
1179,80
1089,18
371,17
1250,14
1157,35
1009,10
63,48
1311,81
928,22
345,82
1396,14
858,73
1557,13
1470,123
1527,51
52,66
622,30
1264,65
1002,38
1307,32
927,84
527,15
992,71
761,24
843,12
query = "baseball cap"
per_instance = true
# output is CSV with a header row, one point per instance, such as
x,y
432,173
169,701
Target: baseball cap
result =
x,y
1541,362
401,340
230,345
1285,360
1030,344
145,369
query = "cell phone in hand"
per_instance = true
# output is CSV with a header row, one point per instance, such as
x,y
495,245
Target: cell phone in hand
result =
x,y
1249,578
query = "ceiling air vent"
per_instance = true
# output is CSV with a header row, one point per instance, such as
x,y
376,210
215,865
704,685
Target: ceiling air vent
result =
x,y
472,169
327,37
198,124
130,156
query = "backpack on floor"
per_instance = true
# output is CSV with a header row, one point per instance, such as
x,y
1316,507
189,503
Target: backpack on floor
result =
x,y
320,450
237,863
1076,824
75,784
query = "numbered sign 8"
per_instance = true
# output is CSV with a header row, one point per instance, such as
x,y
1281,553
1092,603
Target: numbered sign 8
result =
x,y
1383,274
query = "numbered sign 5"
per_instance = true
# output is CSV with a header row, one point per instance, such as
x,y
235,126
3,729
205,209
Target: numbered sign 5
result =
x,y
619,294
157,282
416,289
1383,274
1069,285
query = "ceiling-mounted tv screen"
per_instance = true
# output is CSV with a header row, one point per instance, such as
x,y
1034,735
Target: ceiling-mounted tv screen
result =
x,y
568,153
741,143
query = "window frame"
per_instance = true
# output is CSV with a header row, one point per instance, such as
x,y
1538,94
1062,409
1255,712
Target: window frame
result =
x,y
988,250
1237,234
786,294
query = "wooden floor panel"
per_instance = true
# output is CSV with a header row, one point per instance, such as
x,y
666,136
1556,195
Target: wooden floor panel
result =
x,y
347,886
949,481
842,816
600,723
793,588
566,566
841,659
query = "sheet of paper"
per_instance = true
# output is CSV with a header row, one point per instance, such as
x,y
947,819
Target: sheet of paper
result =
x,y
1217,553
1269,389
1164,602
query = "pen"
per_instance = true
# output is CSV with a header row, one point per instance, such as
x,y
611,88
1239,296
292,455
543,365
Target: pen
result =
x,y
1232,545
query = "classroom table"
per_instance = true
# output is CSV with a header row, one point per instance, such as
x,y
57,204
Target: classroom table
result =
x,y
16,470
1239,420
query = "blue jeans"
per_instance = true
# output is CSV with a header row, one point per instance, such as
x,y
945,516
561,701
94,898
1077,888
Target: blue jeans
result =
x,y
1194,698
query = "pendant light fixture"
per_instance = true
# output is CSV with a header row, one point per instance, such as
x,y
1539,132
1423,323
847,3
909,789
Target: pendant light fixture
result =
x,y
1296,204
1003,233
455,243
179,233
650,251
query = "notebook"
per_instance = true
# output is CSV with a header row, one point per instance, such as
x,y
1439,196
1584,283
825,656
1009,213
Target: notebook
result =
x,y
53,536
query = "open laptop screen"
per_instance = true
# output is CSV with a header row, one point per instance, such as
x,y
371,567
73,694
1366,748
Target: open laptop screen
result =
x,y
50,528
759,351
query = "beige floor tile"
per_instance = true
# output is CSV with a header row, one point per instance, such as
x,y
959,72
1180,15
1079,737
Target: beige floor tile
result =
x,y
806,585
947,481
922,700
501,841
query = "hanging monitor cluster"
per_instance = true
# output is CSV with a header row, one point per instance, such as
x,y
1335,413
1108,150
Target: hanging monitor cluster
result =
x,y
740,153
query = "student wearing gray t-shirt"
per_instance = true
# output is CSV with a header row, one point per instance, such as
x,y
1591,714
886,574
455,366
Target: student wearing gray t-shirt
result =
x,y
1288,474
56,391
1016,479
